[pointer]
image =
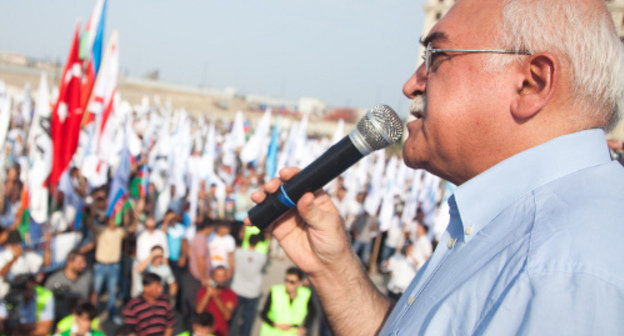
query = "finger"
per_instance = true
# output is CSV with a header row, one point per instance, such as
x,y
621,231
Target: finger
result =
x,y
258,196
271,186
310,213
288,173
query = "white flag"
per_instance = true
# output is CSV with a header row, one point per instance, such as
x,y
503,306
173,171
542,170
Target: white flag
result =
x,y
40,154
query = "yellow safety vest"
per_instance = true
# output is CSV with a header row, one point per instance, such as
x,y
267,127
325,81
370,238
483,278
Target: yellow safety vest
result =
x,y
283,311
68,321
44,296
262,246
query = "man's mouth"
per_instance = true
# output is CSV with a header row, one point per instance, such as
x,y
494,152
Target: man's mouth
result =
x,y
417,114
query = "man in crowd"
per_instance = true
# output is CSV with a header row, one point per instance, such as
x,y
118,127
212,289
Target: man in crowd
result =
x,y
156,264
175,231
288,309
363,231
71,284
108,253
199,268
203,325
150,312
218,300
246,284
147,239
15,260
222,246
402,270
510,105
83,321
28,309
422,247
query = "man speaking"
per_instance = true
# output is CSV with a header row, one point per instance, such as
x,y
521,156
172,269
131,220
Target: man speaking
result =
x,y
511,103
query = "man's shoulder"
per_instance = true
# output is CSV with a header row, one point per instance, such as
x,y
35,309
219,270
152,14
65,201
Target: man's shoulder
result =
x,y
135,302
577,225
58,276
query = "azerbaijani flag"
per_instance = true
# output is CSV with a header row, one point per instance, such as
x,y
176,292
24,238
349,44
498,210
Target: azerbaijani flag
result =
x,y
138,185
118,193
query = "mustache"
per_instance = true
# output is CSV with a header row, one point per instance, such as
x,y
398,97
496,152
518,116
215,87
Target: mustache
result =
x,y
418,104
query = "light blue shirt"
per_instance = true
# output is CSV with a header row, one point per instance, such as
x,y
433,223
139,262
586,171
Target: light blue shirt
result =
x,y
534,247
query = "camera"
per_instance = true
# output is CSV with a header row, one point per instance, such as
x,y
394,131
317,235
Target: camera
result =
x,y
20,305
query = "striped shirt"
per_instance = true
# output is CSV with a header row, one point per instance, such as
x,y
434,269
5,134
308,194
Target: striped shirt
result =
x,y
149,319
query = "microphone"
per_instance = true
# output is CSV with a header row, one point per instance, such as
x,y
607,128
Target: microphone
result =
x,y
379,128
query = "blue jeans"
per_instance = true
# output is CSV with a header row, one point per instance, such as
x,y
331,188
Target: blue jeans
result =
x,y
245,315
387,252
363,250
108,273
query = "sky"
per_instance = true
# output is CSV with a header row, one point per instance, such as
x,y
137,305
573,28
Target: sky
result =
x,y
355,53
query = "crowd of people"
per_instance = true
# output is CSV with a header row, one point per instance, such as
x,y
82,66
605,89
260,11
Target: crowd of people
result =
x,y
171,262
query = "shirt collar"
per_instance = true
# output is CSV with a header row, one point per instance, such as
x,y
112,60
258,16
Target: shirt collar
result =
x,y
483,197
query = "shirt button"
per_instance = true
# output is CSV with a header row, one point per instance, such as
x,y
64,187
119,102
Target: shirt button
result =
x,y
451,243
468,230
410,300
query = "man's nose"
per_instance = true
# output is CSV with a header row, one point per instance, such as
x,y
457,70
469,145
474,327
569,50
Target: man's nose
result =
x,y
416,84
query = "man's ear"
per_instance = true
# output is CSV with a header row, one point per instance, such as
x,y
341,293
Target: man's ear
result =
x,y
540,75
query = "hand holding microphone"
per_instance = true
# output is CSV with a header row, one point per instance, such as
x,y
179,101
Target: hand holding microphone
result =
x,y
313,236
379,128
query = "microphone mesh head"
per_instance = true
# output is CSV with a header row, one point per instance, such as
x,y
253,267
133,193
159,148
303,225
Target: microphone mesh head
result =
x,y
380,127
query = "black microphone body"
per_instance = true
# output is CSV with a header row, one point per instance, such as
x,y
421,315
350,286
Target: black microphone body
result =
x,y
332,163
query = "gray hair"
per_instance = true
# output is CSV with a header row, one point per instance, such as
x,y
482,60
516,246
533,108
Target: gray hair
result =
x,y
583,35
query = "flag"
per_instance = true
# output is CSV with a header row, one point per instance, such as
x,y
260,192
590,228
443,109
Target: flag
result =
x,y
254,150
40,154
91,49
138,185
67,115
5,120
271,160
101,101
118,193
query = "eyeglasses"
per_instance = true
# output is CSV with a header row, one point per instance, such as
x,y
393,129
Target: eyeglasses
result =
x,y
430,51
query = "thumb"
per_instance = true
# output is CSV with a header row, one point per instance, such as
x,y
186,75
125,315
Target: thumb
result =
x,y
311,214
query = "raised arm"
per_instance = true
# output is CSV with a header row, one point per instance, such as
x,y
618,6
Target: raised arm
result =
x,y
314,238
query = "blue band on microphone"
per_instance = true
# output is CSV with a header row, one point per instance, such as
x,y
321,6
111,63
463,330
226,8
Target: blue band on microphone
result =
x,y
283,197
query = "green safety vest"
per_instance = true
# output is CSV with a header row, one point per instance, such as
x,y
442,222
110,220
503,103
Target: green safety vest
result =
x,y
44,296
68,321
283,311
262,246
93,333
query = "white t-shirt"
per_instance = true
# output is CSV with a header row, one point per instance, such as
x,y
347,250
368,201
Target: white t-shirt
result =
x,y
422,251
28,263
402,271
163,271
220,247
395,233
147,240
247,279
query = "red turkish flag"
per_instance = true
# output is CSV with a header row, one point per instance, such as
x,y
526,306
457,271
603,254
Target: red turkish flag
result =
x,y
67,114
